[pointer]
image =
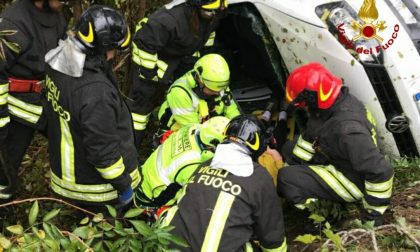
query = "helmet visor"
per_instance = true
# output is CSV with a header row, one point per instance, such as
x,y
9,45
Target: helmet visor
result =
x,y
215,5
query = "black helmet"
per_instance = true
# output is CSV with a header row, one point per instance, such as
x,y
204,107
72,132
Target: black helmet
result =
x,y
248,131
101,29
208,4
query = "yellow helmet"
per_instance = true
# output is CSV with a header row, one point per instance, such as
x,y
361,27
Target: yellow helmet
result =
x,y
209,4
213,71
212,131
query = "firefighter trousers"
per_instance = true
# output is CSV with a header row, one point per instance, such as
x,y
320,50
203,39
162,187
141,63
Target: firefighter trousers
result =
x,y
18,139
303,183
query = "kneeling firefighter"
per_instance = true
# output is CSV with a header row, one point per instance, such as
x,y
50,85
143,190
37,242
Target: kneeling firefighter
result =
x,y
336,157
231,200
170,166
91,139
199,95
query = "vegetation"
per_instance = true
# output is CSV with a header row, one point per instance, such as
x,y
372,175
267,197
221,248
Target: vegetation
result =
x,y
39,222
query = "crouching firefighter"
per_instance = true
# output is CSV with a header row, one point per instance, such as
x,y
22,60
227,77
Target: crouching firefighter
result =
x,y
91,139
34,27
231,199
336,157
170,166
165,46
199,95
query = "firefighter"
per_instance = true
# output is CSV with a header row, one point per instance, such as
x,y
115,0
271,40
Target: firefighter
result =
x,y
166,45
171,165
199,95
91,139
35,27
231,199
336,157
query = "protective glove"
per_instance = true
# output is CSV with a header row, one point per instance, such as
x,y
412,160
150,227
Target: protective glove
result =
x,y
375,216
124,198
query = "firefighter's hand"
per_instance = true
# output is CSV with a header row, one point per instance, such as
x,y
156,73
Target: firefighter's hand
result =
x,y
377,217
124,198
274,154
148,74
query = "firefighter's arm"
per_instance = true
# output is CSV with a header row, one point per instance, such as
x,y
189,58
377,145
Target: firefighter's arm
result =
x,y
269,226
98,118
13,42
358,145
152,34
182,106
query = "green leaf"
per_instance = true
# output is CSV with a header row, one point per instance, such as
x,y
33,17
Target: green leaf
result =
x,y
5,243
105,226
112,211
133,212
307,238
327,225
15,229
335,238
98,217
51,214
135,245
317,218
82,232
142,227
52,244
47,229
120,232
178,241
99,246
84,221
33,213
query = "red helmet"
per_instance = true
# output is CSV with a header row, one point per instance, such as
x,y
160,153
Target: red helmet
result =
x,y
312,85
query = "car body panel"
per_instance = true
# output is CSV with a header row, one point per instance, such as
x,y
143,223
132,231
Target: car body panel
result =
x,y
301,37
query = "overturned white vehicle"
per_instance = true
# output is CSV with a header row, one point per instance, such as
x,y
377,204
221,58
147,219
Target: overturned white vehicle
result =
x,y
374,47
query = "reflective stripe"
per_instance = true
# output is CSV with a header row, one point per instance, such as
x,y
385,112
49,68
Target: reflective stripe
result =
x,y
162,68
4,88
112,171
139,126
4,121
217,223
332,183
5,195
210,41
372,120
140,118
380,209
94,193
25,106
182,111
350,186
308,201
67,152
165,172
23,114
379,187
282,248
140,24
196,54
382,195
170,215
100,197
248,247
307,146
144,58
3,98
100,188
301,153
140,121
